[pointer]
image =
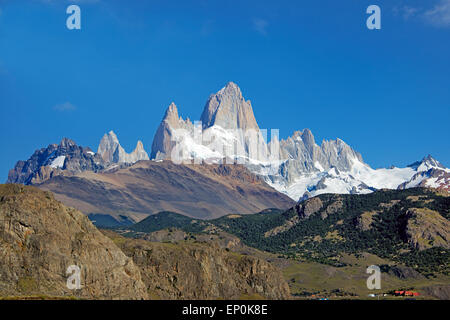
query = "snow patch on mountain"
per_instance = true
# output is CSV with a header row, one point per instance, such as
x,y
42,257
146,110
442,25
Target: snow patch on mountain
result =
x,y
360,179
58,162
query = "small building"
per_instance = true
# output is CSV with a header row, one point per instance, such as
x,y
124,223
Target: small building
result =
x,y
405,293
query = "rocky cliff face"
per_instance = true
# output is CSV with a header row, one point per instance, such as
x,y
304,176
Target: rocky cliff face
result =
x,y
228,109
427,228
302,149
188,270
112,152
40,238
65,158
302,156
163,141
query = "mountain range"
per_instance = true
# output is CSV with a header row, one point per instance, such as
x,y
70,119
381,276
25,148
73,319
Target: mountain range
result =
x,y
226,134
296,166
217,212
132,193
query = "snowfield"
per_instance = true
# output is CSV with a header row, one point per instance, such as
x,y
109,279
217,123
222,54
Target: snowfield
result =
x,y
58,162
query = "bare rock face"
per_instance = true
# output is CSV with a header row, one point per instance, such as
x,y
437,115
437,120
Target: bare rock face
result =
x,y
40,238
427,228
305,156
187,270
163,140
112,152
365,220
306,208
229,110
441,292
45,163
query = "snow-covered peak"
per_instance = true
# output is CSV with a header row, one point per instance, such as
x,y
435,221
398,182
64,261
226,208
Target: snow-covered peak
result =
x,y
426,164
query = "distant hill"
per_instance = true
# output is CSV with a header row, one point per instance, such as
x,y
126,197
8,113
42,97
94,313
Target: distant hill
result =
x,y
408,226
148,187
162,220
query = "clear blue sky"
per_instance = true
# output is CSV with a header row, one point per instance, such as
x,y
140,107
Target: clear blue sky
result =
x,y
303,64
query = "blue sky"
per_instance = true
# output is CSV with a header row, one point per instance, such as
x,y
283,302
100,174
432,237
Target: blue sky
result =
x,y
303,64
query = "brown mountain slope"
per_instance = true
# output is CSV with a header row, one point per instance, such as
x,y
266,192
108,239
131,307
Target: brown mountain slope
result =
x,y
40,238
196,270
199,191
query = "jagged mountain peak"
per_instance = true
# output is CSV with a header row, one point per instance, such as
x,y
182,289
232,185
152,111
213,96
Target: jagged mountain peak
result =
x,y
108,144
426,163
297,135
432,162
173,119
67,143
308,138
110,138
112,152
139,145
171,111
228,109
53,160
162,141
232,89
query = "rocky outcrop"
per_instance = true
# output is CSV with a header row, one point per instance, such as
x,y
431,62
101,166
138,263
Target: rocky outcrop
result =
x,y
405,273
303,156
189,270
228,109
441,292
306,208
65,158
164,140
365,220
112,152
40,238
427,228
290,223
